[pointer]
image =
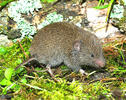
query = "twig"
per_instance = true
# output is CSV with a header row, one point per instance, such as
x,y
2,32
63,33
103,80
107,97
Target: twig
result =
x,y
22,49
108,79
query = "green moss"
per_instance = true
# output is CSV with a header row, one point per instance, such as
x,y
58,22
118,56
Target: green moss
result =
x,y
39,85
13,55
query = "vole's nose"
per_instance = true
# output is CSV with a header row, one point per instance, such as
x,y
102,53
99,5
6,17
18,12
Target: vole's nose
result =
x,y
100,62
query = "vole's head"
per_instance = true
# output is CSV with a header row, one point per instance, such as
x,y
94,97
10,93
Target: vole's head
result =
x,y
89,52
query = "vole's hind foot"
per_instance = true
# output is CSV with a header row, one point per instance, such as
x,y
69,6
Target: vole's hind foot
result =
x,y
48,68
83,75
82,72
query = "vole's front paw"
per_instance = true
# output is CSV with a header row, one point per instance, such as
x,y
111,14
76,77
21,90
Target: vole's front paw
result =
x,y
83,72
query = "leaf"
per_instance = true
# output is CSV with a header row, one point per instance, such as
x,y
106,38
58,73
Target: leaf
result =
x,y
18,61
121,53
24,80
101,7
5,82
4,91
8,73
18,71
16,87
100,1
109,9
2,50
8,88
49,1
5,2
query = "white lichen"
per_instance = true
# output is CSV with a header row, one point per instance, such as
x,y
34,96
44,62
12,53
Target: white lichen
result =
x,y
15,10
51,18
28,6
117,11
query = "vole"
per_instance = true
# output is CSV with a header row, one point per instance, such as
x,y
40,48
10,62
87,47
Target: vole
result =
x,y
66,43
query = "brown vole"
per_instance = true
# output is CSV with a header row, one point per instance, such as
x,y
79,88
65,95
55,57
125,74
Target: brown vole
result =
x,y
66,43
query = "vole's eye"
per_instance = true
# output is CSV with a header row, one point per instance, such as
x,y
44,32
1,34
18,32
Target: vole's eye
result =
x,y
92,55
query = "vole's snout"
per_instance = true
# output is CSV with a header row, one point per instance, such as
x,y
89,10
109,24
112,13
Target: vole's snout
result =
x,y
100,63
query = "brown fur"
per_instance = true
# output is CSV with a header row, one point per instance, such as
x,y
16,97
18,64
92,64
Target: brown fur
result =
x,y
66,43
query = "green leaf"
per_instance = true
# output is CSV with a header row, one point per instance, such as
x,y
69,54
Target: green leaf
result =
x,y
101,7
3,50
100,1
5,82
16,87
8,88
8,73
18,61
19,70
49,1
4,91
13,86
121,53
109,9
24,80
5,2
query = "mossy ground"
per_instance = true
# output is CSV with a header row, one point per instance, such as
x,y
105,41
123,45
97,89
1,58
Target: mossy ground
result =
x,y
71,86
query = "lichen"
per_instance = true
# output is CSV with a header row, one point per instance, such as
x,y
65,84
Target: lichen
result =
x,y
15,10
51,18
117,11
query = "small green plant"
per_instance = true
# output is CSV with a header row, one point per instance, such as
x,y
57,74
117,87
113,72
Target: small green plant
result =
x,y
48,1
10,57
109,6
3,50
5,2
120,71
7,82
101,5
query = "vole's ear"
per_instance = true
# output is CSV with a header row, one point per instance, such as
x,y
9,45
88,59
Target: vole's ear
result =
x,y
77,45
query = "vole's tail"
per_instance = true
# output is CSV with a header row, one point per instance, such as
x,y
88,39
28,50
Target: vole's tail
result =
x,y
26,61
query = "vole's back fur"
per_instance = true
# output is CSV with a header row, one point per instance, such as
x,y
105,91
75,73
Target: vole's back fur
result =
x,y
66,43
